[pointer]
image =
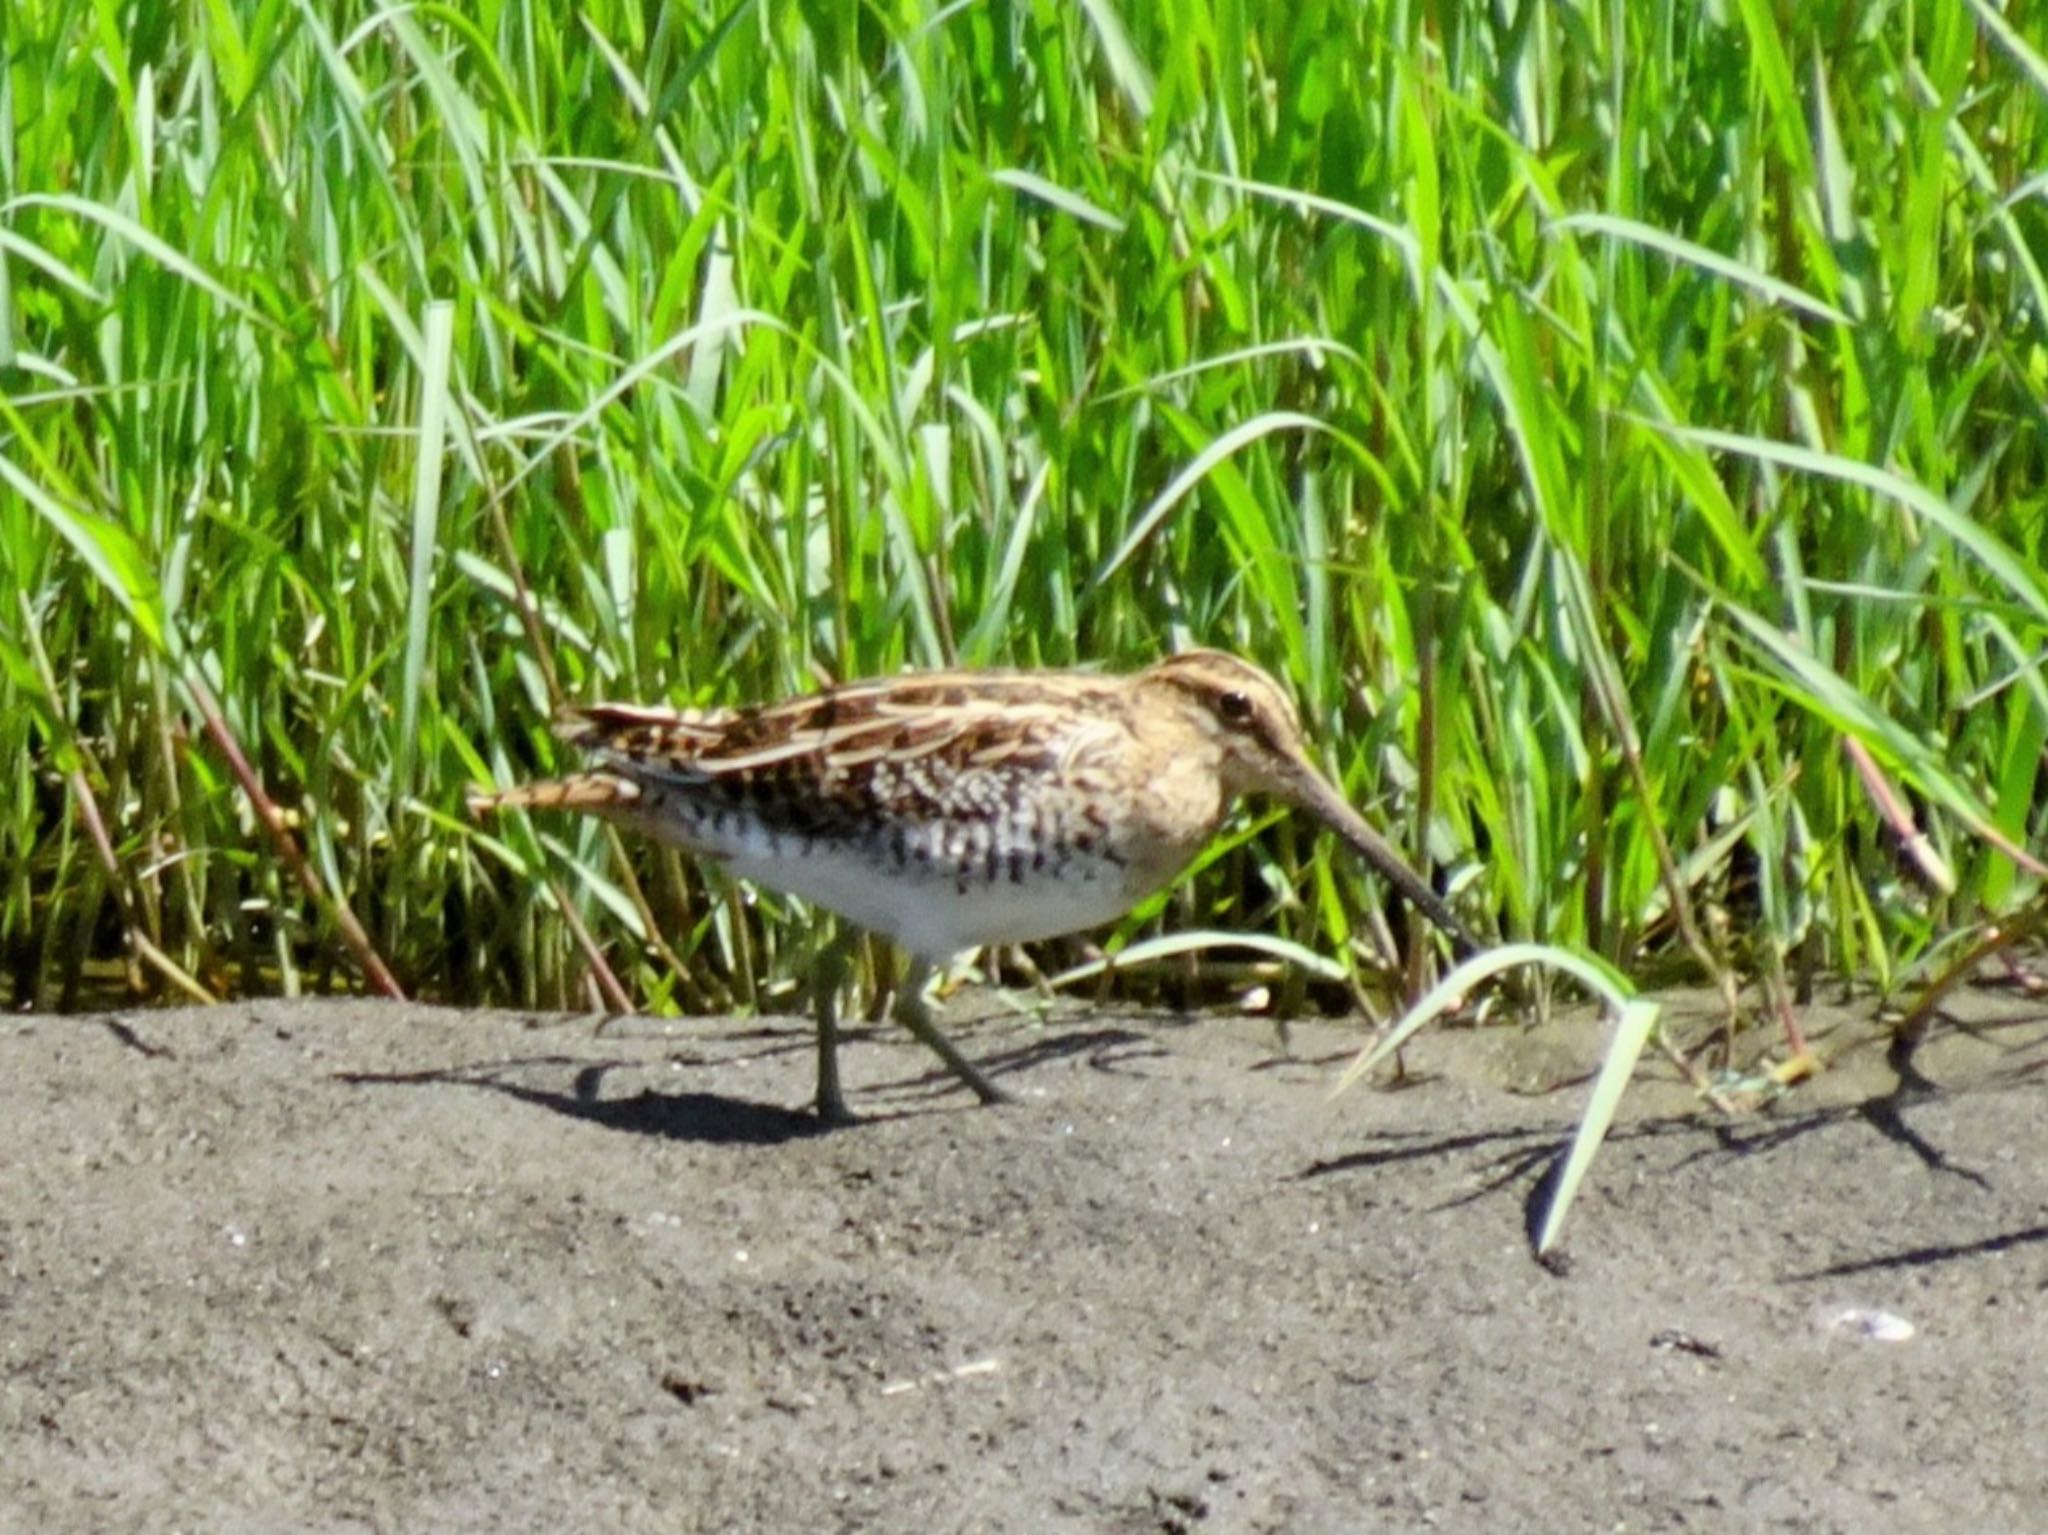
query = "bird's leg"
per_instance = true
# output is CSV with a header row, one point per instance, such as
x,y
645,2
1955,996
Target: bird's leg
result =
x,y
827,975
915,1014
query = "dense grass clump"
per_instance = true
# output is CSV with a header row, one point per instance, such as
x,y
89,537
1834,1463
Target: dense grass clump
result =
x,y
1622,424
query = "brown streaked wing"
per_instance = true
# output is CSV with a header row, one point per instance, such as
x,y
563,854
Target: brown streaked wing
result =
x,y
893,744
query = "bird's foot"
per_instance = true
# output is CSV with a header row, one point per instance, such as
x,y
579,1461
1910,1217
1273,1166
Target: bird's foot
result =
x,y
832,1109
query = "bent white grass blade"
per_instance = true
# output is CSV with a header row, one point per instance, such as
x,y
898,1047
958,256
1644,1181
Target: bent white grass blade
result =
x,y
1631,1033
1600,979
1635,1020
1169,945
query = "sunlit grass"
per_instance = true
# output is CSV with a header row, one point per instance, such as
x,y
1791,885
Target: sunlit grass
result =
x,y
1597,416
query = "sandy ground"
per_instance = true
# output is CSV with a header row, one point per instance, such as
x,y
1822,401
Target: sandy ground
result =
x,y
347,1266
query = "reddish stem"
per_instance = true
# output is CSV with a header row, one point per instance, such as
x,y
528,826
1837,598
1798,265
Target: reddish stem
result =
x,y
374,969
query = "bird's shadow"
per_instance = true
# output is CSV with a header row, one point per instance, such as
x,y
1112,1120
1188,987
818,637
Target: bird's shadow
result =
x,y
712,1119
723,1119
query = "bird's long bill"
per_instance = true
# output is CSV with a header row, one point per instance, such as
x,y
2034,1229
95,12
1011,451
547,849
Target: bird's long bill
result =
x,y
1313,793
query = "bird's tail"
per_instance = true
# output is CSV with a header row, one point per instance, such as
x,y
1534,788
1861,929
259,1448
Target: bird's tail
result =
x,y
595,793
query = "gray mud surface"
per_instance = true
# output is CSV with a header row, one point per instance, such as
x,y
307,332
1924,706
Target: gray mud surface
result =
x,y
350,1266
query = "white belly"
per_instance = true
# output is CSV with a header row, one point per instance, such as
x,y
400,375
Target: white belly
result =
x,y
934,914
934,890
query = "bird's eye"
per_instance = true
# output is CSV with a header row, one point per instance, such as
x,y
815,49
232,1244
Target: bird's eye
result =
x,y
1235,708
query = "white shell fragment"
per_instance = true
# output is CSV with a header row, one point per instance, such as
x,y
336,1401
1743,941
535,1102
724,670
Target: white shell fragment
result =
x,y
1865,1322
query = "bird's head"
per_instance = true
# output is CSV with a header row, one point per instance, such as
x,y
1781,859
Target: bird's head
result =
x,y
1257,734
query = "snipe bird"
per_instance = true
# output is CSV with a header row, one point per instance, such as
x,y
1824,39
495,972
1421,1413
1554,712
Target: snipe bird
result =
x,y
948,810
